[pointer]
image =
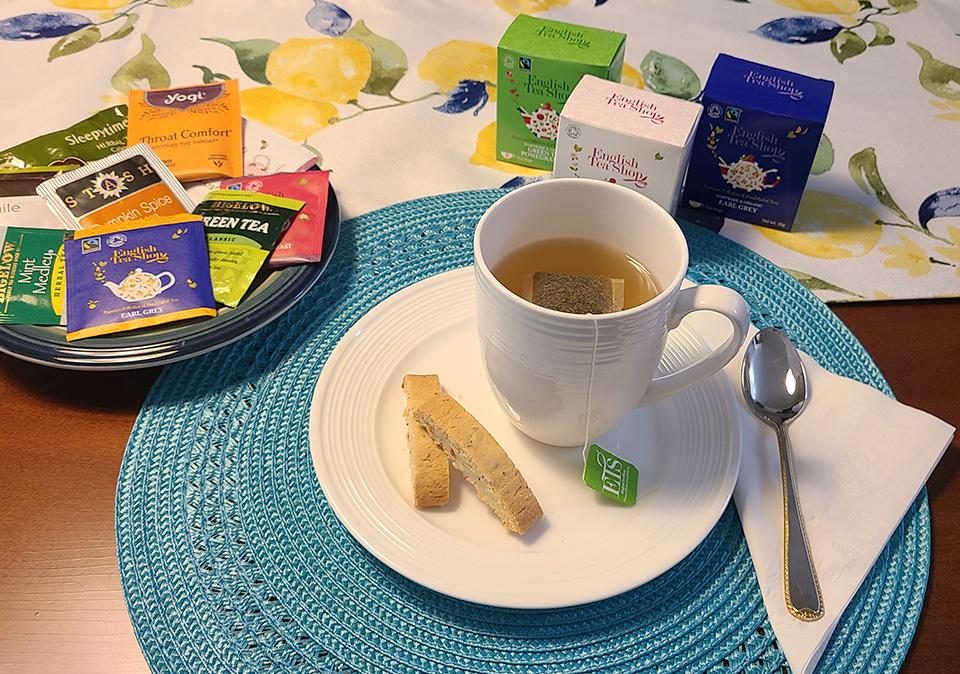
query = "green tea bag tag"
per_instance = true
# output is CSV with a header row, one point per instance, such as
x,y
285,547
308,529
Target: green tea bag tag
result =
x,y
608,474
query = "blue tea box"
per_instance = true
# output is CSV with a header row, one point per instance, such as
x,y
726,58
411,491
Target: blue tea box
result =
x,y
755,142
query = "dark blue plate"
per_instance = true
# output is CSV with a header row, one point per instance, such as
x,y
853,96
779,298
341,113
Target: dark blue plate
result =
x,y
276,292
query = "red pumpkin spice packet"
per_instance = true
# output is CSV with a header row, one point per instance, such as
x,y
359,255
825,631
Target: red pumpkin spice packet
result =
x,y
303,240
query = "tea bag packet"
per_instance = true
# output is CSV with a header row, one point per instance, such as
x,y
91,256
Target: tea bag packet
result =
x,y
137,274
95,137
197,131
574,293
303,240
129,185
20,205
31,276
242,228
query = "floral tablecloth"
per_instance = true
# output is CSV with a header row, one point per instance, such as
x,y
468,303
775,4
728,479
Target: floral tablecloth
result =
x,y
395,97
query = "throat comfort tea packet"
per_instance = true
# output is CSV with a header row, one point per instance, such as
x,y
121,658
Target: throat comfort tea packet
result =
x,y
130,185
242,228
197,131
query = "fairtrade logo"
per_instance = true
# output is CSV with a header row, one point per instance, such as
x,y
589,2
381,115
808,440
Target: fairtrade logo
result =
x,y
91,245
732,115
525,63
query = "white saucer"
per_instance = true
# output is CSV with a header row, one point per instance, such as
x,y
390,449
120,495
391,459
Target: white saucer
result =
x,y
586,548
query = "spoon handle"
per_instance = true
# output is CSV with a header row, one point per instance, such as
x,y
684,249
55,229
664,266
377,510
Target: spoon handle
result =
x,y
800,584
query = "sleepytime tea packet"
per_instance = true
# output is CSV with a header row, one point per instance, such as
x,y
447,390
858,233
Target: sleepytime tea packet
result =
x,y
242,228
95,137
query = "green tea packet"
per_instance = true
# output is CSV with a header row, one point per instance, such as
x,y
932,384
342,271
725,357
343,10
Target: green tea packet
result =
x,y
242,229
32,287
95,137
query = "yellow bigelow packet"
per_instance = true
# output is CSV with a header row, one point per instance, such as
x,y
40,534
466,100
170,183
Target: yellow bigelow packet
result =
x,y
197,131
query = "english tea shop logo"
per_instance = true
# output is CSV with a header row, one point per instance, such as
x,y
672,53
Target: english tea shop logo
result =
x,y
644,109
548,87
184,98
783,85
626,168
574,37
761,143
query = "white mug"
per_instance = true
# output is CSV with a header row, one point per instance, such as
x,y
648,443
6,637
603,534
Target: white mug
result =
x,y
538,360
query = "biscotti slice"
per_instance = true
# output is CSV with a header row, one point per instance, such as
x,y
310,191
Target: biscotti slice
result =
x,y
474,452
429,468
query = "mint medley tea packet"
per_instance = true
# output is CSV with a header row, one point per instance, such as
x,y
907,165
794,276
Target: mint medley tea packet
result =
x,y
539,62
32,287
755,142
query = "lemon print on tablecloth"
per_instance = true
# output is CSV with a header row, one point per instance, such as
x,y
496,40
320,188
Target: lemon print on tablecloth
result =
x,y
631,77
325,69
829,226
909,256
515,7
822,6
450,63
90,4
296,118
951,253
485,154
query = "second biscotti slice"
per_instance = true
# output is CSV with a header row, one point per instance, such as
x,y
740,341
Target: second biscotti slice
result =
x,y
429,470
481,459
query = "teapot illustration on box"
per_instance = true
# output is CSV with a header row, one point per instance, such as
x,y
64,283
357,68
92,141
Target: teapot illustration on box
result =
x,y
542,122
746,174
140,285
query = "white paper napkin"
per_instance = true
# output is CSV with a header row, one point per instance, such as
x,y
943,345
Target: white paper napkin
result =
x,y
860,459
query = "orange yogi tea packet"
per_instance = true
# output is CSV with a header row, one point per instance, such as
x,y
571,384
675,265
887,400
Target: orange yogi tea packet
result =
x,y
197,131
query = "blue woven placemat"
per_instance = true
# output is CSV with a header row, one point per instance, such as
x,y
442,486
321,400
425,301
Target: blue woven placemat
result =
x,y
232,560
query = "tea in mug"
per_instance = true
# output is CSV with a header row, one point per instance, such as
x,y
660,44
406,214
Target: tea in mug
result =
x,y
578,276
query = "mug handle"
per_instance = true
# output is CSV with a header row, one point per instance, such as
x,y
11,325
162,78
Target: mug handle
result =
x,y
165,286
721,300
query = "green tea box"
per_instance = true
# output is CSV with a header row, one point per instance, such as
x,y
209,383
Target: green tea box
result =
x,y
631,137
539,63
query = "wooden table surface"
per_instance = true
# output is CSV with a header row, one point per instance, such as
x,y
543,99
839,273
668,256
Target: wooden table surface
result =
x,y
62,440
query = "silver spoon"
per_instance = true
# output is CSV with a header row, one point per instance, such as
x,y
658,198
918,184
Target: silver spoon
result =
x,y
775,388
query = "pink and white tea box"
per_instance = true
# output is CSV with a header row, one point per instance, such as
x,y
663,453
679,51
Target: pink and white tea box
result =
x,y
628,136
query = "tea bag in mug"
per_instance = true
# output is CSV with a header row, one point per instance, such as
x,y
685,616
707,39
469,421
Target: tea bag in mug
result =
x,y
574,293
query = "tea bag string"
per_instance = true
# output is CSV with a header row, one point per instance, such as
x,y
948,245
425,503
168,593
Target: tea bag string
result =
x,y
593,364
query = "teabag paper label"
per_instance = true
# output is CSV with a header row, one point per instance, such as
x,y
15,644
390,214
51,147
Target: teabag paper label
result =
x,y
611,476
